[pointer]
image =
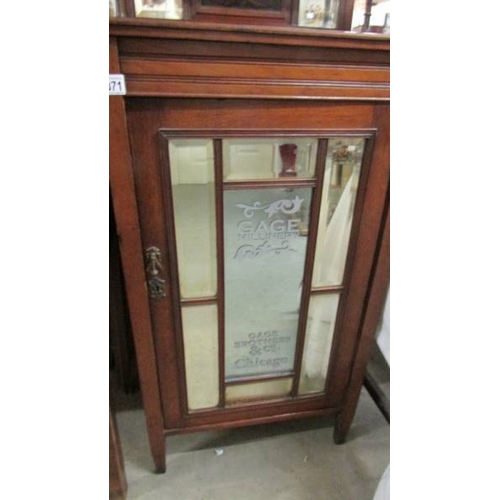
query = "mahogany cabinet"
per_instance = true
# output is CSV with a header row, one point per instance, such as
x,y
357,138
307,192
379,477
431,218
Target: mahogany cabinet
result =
x,y
249,169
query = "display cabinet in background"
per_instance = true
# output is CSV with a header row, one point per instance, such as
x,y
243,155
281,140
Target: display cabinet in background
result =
x,y
356,15
249,168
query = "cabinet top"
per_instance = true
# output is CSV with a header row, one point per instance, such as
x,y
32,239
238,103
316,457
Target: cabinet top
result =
x,y
162,58
275,35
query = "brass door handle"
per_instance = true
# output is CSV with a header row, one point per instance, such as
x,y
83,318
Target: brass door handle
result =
x,y
156,285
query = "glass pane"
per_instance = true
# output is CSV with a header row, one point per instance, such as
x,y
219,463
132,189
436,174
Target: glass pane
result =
x,y
318,13
319,334
159,9
113,8
246,159
337,207
265,239
192,175
379,18
199,324
259,390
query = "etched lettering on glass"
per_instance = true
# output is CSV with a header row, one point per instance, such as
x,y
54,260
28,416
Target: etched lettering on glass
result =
x,y
264,247
266,230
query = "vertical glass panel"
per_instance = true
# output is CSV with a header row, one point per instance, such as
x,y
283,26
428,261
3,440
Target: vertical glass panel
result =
x,y
192,175
318,13
113,8
340,187
199,324
319,334
246,159
159,9
259,390
265,240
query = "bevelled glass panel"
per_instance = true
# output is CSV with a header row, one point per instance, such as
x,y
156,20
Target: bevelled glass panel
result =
x,y
246,159
192,176
340,188
265,240
318,342
201,353
259,390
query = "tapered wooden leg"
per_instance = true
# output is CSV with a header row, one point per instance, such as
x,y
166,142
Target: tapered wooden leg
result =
x,y
159,451
343,421
157,442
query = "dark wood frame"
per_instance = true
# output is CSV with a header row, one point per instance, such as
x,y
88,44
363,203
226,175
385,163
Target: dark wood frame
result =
x,y
163,60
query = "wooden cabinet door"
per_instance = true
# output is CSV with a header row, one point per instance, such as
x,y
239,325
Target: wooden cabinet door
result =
x,y
260,221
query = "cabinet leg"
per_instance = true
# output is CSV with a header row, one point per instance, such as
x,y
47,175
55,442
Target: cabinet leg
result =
x,y
159,451
344,418
341,426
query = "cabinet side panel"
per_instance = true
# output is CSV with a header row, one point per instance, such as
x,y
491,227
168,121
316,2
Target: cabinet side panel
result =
x,y
127,222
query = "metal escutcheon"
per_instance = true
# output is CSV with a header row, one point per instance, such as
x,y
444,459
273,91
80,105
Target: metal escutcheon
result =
x,y
156,285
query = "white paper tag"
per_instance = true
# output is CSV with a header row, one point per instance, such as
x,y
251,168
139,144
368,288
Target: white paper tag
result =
x,y
117,85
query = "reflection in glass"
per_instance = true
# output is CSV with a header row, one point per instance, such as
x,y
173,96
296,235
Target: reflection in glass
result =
x,y
113,8
318,13
265,239
337,207
199,324
255,158
259,390
192,176
158,9
370,16
319,334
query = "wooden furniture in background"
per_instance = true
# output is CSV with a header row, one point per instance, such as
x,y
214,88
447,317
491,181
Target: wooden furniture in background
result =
x,y
117,479
121,343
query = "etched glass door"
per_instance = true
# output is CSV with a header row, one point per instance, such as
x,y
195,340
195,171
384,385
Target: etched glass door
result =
x,y
260,235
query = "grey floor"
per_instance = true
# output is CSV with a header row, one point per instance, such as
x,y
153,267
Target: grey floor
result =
x,y
287,461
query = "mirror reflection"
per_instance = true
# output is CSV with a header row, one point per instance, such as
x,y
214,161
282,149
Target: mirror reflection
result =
x,y
340,188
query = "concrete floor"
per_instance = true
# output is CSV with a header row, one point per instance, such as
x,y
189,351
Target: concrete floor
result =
x,y
287,461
